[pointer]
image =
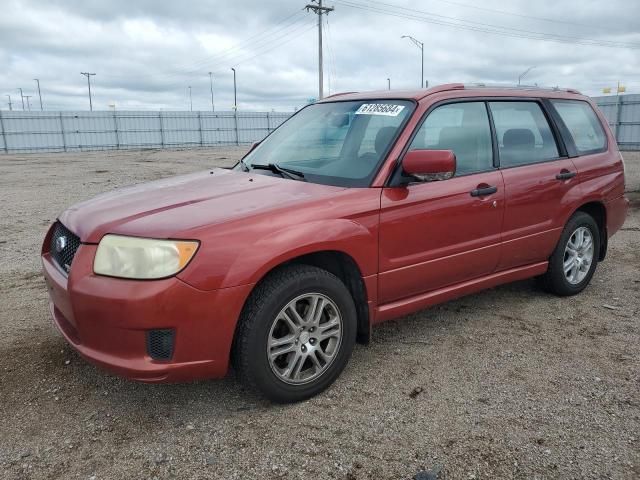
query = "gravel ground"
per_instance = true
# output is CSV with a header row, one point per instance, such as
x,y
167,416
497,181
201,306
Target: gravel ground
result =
x,y
508,383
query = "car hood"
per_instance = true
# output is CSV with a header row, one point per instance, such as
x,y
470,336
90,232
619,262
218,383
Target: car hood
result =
x,y
167,208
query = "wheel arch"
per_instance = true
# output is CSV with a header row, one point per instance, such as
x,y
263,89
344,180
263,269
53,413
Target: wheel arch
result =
x,y
597,210
343,266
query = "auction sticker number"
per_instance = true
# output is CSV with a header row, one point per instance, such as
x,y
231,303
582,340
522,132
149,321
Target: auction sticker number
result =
x,y
380,109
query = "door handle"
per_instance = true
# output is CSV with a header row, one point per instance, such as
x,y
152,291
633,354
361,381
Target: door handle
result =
x,y
565,175
481,192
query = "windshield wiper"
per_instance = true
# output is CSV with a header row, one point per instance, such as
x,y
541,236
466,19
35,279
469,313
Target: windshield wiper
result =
x,y
283,171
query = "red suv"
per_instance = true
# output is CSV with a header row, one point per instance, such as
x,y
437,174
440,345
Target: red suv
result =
x,y
360,208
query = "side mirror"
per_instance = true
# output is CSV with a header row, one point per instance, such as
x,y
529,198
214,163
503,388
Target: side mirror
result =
x,y
253,147
429,165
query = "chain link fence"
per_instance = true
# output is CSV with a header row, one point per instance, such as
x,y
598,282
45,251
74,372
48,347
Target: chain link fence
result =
x,y
29,132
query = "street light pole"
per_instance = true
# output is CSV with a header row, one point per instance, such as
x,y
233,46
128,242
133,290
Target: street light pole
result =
x,y
21,98
521,76
190,100
235,96
89,75
420,45
211,87
235,106
39,94
28,103
388,84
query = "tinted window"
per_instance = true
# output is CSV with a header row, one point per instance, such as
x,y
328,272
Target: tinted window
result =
x,y
463,128
524,135
583,125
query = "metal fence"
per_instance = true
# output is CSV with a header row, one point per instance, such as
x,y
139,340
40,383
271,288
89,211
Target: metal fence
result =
x,y
24,132
623,115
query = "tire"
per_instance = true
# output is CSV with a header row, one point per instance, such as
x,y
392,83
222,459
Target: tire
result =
x,y
289,358
555,280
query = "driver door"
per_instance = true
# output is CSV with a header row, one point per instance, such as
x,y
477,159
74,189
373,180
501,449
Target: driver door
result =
x,y
441,233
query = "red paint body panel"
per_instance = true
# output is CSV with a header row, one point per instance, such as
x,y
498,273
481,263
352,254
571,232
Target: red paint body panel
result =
x,y
415,245
436,234
106,320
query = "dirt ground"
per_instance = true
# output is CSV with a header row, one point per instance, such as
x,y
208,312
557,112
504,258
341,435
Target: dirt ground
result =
x,y
515,383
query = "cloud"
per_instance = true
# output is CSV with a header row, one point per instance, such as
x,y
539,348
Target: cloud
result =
x,y
147,53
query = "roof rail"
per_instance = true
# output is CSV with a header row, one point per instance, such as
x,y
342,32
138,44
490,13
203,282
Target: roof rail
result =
x,y
520,87
339,94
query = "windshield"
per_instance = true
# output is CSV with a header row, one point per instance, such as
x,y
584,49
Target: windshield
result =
x,y
339,143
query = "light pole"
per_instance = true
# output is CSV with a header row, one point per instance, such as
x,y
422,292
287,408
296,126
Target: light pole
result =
x,y
28,103
89,75
388,84
235,106
190,100
10,104
21,98
211,87
420,45
521,76
235,94
39,94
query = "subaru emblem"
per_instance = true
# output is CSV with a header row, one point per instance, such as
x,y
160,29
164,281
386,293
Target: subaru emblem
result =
x,y
61,243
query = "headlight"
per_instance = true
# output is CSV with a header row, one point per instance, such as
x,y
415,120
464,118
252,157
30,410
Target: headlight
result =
x,y
142,258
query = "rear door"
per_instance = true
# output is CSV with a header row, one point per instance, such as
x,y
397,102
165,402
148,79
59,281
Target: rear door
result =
x,y
540,181
444,232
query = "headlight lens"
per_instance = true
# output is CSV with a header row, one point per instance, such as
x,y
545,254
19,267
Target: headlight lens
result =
x,y
142,258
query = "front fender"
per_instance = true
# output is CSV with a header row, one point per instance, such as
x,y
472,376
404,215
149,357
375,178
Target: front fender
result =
x,y
342,235
242,252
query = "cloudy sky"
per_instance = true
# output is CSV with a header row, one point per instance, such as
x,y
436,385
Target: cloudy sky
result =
x,y
146,53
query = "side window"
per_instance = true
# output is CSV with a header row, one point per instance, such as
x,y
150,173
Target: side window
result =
x,y
463,128
524,135
583,124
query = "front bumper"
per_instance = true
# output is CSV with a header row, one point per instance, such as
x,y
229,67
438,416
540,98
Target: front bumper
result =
x,y
107,319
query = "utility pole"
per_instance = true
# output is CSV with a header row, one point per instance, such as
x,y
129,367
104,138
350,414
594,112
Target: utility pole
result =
x,y
28,104
420,45
22,98
190,100
39,94
89,75
388,84
211,87
10,104
319,10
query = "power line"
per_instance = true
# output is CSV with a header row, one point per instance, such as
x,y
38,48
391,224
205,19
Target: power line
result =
x,y
427,17
266,47
195,67
514,14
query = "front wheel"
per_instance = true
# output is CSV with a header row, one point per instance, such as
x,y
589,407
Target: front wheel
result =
x,y
296,333
574,259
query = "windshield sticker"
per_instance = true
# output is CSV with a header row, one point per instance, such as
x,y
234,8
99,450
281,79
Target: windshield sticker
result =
x,y
380,109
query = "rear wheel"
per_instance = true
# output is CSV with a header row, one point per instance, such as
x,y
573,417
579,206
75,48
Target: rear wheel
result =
x,y
575,258
296,333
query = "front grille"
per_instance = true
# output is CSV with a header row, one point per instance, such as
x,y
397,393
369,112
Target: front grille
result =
x,y
160,344
63,246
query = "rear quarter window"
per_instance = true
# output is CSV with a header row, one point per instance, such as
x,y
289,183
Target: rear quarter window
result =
x,y
583,125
